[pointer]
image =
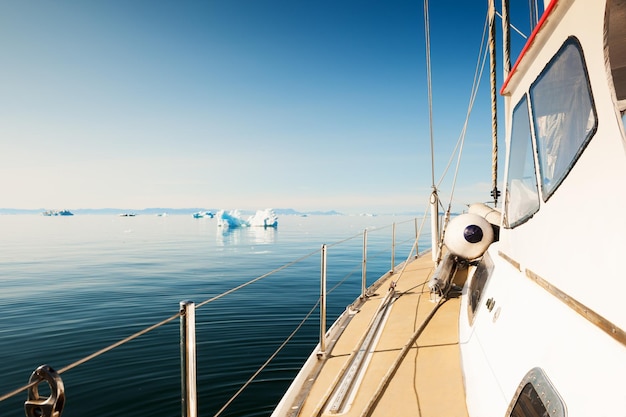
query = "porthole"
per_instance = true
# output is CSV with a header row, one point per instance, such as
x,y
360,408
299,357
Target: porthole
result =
x,y
536,397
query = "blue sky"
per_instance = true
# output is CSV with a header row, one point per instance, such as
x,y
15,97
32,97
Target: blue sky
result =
x,y
313,105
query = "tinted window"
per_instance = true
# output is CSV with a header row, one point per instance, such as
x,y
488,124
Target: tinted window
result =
x,y
477,284
522,194
534,395
529,404
563,114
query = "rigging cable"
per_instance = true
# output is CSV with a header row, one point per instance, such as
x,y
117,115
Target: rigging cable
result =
x,y
267,362
477,78
480,65
430,93
175,316
519,32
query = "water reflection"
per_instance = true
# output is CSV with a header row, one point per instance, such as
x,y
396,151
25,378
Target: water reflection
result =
x,y
262,235
246,235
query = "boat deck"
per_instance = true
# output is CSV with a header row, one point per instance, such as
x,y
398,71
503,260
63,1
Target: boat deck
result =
x,y
427,381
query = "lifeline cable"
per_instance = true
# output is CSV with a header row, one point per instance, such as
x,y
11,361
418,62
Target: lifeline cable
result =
x,y
172,318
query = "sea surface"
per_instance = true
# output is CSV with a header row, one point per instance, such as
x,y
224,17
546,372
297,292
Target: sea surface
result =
x,y
70,286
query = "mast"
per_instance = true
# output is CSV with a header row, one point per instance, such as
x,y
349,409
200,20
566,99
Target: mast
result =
x,y
434,198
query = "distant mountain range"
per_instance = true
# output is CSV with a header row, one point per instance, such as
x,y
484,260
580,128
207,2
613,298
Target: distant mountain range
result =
x,y
159,210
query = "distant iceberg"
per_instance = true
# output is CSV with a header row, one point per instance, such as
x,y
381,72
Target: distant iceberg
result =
x,y
203,214
264,218
57,213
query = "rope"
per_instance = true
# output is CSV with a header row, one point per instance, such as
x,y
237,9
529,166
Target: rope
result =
x,y
267,362
245,284
405,264
494,107
405,350
175,316
95,355
382,306
308,315
414,247
277,351
477,78
430,93
506,38
382,387
480,65
153,327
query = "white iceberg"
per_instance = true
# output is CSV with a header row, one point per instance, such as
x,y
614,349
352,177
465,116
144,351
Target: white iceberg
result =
x,y
57,213
232,219
203,214
264,218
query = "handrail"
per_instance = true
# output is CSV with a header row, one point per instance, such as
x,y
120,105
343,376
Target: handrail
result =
x,y
245,284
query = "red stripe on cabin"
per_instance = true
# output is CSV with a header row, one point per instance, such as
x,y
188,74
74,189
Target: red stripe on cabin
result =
x,y
543,19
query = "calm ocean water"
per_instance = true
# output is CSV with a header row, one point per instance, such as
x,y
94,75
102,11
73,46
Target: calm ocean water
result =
x,y
70,286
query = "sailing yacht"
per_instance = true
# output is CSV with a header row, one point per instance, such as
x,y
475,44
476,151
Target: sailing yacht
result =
x,y
518,312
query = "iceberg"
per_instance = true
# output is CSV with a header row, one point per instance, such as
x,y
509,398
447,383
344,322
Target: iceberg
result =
x,y
264,218
57,213
203,214
232,219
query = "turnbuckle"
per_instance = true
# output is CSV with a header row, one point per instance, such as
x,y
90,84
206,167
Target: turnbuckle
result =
x,y
52,406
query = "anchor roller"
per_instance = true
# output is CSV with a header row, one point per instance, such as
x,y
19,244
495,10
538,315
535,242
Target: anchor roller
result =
x,y
52,406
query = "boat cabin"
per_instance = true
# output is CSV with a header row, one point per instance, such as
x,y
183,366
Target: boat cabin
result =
x,y
553,314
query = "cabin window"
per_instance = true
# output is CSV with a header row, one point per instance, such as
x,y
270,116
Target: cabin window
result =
x,y
522,193
564,115
529,404
536,397
477,285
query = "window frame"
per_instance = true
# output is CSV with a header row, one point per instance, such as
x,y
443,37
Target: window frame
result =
x,y
523,101
546,392
558,180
